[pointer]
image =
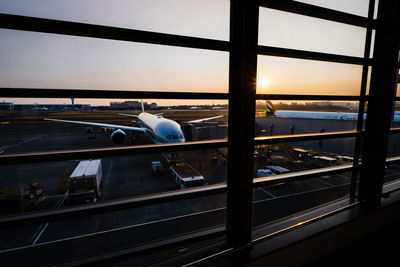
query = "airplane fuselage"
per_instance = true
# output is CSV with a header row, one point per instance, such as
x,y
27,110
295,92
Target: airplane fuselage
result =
x,y
162,130
316,115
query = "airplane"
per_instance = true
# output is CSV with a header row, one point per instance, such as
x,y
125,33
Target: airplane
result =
x,y
271,111
158,128
316,115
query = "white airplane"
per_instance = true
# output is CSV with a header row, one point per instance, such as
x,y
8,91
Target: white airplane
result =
x,y
318,114
158,128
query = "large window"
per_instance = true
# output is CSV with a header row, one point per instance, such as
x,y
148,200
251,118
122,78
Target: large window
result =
x,y
166,129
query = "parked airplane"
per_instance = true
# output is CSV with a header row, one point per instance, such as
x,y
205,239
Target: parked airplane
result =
x,y
316,115
271,111
158,128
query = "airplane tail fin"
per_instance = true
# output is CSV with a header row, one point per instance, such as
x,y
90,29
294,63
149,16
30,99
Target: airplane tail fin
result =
x,y
270,108
142,106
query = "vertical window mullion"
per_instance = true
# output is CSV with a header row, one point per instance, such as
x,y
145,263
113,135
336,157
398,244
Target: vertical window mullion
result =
x,y
380,104
361,107
242,91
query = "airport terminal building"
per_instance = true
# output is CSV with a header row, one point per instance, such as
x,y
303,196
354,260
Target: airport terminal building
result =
x,y
241,186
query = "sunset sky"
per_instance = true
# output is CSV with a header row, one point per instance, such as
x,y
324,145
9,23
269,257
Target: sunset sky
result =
x,y
38,60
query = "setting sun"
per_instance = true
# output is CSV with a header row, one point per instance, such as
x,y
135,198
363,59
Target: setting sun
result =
x,y
264,82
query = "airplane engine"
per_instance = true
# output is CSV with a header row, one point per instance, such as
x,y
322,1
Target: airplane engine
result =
x,y
118,137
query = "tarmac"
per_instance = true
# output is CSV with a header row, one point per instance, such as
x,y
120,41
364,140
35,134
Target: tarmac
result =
x,y
131,176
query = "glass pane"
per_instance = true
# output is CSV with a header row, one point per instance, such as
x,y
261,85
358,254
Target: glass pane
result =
x,y
206,18
398,83
283,199
53,185
392,171
396,115
144,224
394,145
275,159
278,75
300,117
368,80
41,125
288,30
398,90
276,202
37,60
371,51
356,7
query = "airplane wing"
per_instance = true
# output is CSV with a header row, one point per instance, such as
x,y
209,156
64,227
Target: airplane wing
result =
x,y
205,119
128,128
136,116
130,115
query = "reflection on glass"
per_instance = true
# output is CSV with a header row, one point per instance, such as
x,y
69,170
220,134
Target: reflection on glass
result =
x,y
297,76
283,29
35,124
148,223
272,203
38,60
207,18
356,7
286,198
51,185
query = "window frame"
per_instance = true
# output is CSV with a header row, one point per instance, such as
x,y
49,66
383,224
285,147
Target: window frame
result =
x,y
237,210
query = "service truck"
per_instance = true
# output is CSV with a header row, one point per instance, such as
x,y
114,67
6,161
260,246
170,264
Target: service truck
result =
x,y
185,176
85,182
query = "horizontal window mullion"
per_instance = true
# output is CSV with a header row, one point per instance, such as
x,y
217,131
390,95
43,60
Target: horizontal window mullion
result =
x,y
302,54
310,97
315,11
394,130
109,94
108,206
393,160
109,152
16,22
265,140
300,175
